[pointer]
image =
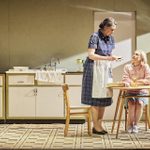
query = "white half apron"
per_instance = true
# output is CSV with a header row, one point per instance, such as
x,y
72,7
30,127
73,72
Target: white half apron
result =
x,y
102,75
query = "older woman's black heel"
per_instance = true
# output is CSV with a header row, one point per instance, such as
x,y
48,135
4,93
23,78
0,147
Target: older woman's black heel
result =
x,y
99,132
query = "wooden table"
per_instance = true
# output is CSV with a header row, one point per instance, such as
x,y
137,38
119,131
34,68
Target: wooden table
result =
x,y
120,103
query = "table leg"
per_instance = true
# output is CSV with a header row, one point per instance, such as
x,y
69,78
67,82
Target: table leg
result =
x,y
148,116
116,111
120,115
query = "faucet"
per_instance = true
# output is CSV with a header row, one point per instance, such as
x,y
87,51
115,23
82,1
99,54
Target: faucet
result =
x,y
53,62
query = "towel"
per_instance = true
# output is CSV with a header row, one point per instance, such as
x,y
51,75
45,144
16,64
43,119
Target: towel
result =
x,y
49,76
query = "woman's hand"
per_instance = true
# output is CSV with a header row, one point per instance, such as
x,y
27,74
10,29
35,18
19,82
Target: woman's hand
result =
x,y
113,57
93,56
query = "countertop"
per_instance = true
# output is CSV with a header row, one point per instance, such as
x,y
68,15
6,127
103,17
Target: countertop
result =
x,y
33,71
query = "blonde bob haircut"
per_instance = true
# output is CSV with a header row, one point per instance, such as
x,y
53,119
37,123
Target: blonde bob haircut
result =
x,y
143,56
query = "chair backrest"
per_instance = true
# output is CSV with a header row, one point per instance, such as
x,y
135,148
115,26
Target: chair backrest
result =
x,y
65,88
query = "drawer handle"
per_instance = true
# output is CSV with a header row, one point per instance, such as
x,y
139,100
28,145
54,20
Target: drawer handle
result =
x,y
35,92
20,81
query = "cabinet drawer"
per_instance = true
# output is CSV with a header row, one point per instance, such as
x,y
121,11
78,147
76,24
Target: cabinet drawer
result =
x,y
73,79
21,80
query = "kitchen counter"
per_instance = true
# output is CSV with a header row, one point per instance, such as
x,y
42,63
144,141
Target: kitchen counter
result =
x,y
11,71
32,71
29,98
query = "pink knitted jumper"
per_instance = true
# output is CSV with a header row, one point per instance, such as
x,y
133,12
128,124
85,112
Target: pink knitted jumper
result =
x,y
132,72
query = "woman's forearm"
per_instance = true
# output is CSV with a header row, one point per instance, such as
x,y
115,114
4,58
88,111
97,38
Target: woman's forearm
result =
x,y
98,57
93,56
143,81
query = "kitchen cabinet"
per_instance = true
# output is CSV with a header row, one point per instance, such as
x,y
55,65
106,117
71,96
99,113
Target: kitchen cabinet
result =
x,y
73,79
75,82
21,102
49,102
28,99
35,102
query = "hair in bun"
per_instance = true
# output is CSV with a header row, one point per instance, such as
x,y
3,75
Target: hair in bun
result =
x,y
108,22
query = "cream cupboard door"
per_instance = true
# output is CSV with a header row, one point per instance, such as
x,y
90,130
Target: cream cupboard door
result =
x,y
49,102
21,102
75,96
1,102
75,83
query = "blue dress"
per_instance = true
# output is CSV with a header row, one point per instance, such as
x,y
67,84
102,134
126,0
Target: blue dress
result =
x,y
103,46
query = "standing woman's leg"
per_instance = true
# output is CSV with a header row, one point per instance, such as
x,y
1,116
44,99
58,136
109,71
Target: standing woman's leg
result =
x,y
100,117
95,115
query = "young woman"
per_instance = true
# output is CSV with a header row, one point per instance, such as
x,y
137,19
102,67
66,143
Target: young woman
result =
x,y
97,72
136,73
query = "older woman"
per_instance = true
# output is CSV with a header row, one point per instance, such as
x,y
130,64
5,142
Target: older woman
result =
x,y
97,72
136,73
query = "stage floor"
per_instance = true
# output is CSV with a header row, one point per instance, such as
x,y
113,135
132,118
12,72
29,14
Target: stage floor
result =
x,y
50,136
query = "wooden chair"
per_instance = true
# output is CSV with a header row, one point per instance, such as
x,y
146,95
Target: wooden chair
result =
x,y
75,111
146,116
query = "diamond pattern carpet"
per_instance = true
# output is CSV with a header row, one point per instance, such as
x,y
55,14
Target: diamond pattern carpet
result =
x,y
50,136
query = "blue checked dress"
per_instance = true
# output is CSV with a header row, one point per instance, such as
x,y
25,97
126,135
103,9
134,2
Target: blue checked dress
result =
x,y
103,46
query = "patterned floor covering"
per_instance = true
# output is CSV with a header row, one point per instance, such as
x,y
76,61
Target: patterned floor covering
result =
x,y
50,136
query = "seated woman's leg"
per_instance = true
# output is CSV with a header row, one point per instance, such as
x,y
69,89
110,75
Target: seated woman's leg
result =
x,y
131,112
138,111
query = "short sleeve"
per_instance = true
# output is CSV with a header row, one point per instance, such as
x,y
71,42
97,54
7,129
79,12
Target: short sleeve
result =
x,y
93,41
